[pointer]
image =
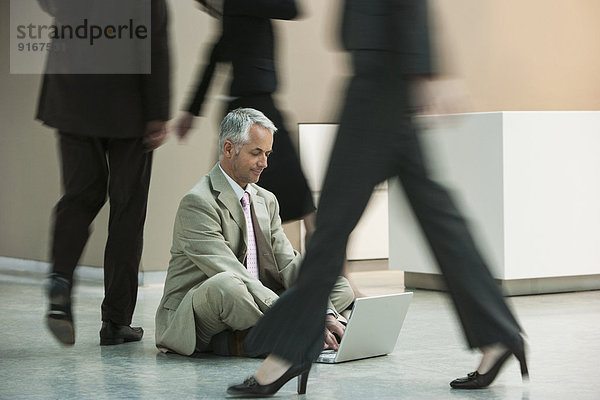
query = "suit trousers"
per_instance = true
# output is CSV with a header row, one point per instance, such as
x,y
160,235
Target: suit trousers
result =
x,y
223,302
91,168
376,141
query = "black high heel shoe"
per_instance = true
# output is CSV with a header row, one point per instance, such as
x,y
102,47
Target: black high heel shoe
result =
x,y
475,380
251,388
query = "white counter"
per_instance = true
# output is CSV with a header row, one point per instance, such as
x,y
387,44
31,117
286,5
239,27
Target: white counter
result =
x,y
529,183
369,240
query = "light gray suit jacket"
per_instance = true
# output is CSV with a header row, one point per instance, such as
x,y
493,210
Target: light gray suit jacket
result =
x,y
210,237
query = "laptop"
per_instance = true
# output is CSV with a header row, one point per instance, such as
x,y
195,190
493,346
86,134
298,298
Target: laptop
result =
x,y
372,330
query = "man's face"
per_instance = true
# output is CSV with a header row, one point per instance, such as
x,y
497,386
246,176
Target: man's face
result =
x,y
246,166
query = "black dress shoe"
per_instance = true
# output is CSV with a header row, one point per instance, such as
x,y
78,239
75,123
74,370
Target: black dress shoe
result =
x,y
251,388
229,343
59,318
112,333
475,380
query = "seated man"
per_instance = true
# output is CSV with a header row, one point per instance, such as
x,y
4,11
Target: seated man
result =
x,y
230,257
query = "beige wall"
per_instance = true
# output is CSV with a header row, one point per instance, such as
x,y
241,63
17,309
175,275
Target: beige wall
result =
x,y
513,55
523,55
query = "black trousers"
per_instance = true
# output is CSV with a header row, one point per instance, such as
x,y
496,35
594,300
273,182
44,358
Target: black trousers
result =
x,y
92,168
283,176
376,141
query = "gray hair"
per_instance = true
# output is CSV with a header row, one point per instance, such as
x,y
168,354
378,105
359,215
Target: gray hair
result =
x,y
236,125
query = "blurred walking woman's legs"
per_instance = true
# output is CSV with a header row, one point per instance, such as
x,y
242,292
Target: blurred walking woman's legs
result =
x,y
361,157
487,321
376,141
483,312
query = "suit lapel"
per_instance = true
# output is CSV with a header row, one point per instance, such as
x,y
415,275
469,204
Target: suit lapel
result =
x,y
260,218
262,226
227,197
261,213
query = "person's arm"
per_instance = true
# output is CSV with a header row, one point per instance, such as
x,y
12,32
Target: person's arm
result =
x,y
334,331
412,24
156,85
287,259
205,78
288,262
155,134
274,9
185,121
198,228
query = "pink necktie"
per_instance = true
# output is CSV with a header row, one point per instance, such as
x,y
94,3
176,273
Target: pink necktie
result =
x,y
251,254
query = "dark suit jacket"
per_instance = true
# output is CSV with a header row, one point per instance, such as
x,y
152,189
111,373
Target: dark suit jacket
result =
x,y
247,42
398,26
110,105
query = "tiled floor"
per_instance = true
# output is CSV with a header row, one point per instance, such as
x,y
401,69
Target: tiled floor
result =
x,y
563,332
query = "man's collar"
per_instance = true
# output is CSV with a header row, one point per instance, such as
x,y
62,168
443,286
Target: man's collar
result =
x,y
239,191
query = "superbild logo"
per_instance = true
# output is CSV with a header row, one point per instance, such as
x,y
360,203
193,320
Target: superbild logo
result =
x,y
85,30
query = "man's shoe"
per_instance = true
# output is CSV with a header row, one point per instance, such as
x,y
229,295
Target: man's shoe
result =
x,y
59,318
229,343
112,333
